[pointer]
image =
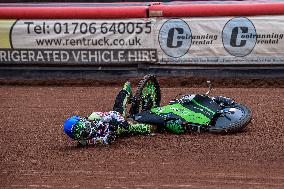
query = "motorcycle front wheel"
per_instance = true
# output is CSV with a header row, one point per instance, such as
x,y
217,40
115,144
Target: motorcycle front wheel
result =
x,y
232,119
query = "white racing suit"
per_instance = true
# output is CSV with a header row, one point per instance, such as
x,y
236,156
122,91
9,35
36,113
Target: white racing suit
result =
x,y
107,125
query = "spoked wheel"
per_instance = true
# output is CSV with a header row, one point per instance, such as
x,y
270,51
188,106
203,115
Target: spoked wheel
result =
x,y
233,119
147,96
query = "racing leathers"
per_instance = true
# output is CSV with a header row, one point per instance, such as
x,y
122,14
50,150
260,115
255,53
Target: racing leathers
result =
x,y
104,127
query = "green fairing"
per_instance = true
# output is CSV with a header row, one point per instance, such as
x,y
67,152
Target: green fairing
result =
x,y
210,111
181,111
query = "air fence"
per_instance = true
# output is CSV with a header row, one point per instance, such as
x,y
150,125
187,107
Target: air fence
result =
x,y
217,38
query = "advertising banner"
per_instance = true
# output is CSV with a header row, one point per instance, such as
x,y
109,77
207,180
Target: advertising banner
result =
x,y
77,41
221,40
186,41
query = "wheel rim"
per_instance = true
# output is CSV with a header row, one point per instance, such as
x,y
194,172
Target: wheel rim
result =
x,y
233,115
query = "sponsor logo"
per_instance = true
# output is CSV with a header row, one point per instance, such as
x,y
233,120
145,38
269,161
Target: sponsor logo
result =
x,y
239,36
175,38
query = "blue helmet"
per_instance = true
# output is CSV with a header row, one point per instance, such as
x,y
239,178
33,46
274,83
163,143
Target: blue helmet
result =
x,y
69,126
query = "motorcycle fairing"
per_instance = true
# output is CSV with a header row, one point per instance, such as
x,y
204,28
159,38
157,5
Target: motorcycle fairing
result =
x,y
179,111
202,104
198,110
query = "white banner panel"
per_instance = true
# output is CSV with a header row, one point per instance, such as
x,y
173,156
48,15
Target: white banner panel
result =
x,y
210,40
221,40
82,34
79,41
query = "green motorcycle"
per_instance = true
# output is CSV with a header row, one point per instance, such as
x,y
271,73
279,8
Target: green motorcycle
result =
x,y
186,114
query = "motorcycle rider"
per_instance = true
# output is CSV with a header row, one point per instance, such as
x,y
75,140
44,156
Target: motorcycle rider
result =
x,y
103,127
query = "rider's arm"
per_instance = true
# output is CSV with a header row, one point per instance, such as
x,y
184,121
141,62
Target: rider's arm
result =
x,y
112,117
96,140
107,124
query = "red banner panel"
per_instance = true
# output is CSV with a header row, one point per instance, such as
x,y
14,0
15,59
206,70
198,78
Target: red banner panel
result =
x,y
212,10
73,11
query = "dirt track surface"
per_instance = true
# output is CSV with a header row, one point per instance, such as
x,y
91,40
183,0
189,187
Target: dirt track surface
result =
x,y
36,154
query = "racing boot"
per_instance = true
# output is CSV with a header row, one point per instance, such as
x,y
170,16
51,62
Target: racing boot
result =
x,y
123,98
127,87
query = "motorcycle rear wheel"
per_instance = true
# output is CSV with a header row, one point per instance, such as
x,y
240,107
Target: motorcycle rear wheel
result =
x,y
147,96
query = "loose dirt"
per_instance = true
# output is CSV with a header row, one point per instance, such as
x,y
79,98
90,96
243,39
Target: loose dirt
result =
x,y
35,153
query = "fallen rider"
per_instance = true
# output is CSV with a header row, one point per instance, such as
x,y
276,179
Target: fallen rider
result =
x,y
102,128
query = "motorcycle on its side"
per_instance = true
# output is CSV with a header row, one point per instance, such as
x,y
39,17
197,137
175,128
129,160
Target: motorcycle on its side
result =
x,y
185,114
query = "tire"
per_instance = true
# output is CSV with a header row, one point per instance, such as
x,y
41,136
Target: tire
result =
x,y
234,121
147,96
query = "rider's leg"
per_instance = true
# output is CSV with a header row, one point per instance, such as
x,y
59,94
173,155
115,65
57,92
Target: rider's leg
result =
x,y
141,128
123,98
127,87
137,128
